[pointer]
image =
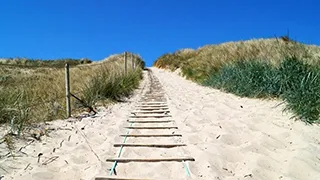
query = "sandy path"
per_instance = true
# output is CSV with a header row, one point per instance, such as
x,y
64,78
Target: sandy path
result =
x,y
81,147
240,138
153,170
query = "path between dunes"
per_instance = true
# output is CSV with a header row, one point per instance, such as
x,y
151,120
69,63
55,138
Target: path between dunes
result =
x,y
230,138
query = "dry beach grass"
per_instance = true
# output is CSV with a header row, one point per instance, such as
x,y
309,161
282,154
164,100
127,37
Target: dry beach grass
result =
x,y
30,94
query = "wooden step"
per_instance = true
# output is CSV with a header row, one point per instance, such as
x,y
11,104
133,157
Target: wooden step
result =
x,y
152,102
147,145
150,111
151,127
151,135
179,159
150,116
154,108
153,105
119,178
153,97
149,121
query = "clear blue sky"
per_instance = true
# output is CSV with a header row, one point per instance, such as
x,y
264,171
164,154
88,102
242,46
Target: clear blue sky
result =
x,y
97,28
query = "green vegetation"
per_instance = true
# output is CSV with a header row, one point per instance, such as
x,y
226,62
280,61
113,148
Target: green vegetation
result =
x,y
111,83
29,95
293,81
26,62
272,68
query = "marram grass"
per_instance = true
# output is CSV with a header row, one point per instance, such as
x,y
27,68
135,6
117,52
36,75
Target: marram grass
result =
x,y
37,94
295,82
263,68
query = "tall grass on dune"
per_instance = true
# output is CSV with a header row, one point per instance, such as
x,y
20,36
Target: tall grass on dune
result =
x,y
294,81
111,83
198,64
263,68
29,95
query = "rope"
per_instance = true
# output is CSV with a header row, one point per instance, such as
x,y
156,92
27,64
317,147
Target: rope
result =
x,y
186,167
119,154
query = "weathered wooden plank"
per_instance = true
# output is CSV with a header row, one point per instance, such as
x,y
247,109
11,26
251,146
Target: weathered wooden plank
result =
x,y
153,108
147,145
151,127
134,113
149,121
150,111
151,135
119,178
153,105
153,102
150,116
179,159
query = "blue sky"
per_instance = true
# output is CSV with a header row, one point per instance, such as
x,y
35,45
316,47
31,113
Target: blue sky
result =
x,y
97,28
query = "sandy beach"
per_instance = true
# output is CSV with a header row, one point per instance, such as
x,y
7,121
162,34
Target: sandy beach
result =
x,y
229,137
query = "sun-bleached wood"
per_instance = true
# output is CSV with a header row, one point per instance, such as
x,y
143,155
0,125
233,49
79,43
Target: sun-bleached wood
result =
x,y
179,159
147,145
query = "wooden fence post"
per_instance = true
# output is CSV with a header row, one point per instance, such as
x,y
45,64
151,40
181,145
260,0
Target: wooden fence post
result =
x,y
132,61
67,81
125,63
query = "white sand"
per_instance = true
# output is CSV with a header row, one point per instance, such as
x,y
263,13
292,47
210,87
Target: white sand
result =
x,y
230,142
257,141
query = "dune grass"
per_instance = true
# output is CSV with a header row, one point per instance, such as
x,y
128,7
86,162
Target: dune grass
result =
x,y
111,83
27,62
264,68
293,81
29,95
199,64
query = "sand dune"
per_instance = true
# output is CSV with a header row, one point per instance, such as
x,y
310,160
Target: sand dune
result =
x,y
230,138
240,138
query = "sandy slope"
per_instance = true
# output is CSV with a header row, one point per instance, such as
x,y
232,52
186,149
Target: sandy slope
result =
x,y
240,138
230,138
81,147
